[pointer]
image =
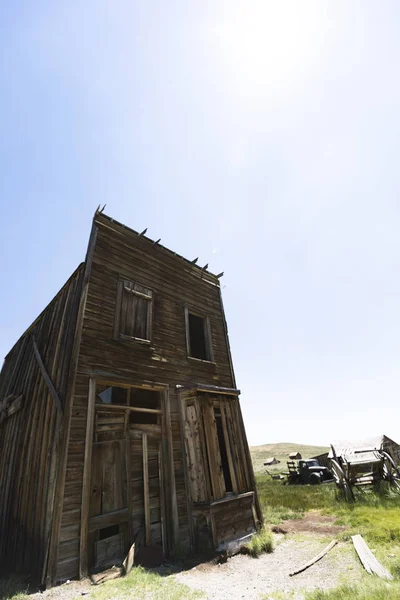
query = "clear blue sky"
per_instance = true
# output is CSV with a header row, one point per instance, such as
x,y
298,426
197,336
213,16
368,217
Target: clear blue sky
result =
x,y
262,136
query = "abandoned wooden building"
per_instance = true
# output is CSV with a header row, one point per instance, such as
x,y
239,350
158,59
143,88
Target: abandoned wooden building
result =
x,y
120,420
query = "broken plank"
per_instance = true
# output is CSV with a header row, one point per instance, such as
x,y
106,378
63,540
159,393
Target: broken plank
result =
x,y
368,560
129,560
315,559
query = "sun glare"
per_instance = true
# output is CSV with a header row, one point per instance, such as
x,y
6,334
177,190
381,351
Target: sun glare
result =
x,y
263,43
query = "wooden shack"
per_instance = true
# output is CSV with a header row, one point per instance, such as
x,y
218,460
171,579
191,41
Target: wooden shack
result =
x,y
120,419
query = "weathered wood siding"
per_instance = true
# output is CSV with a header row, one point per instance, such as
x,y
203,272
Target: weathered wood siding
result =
x,y
30,437
120,253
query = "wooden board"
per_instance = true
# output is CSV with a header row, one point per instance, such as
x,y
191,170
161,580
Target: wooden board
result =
x,y
368,560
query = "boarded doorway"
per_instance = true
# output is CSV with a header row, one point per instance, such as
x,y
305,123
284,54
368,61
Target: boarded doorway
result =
x,y
126,483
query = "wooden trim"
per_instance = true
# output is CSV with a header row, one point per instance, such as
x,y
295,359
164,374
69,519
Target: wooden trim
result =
x,y
249,465
202,360
228,448
146,494
61,454
162,500
87,468
182,418
131,338
173,525
208,338
214,389
49,383
117,314
139,294
214,455
230,499
228,347
105,378
105,406
108,519
188,351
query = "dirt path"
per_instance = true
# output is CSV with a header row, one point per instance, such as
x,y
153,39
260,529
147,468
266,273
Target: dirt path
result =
x,y
245,577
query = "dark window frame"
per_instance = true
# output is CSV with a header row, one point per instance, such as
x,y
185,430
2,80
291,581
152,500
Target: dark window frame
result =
x,y
207,336
149,297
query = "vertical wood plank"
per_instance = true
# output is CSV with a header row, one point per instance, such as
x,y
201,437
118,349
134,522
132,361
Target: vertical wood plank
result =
x,y
215,463
162,500
146,494
83,552
232,470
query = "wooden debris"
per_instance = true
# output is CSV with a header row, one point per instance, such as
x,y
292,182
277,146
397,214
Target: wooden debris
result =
x,y
129,560
368,560
315,559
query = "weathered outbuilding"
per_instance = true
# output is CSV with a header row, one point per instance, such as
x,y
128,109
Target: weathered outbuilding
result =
x,y
120,419
271,461
295,456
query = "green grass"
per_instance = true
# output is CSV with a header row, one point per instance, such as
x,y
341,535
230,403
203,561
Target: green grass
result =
x,y
372,589
375,515
13,588
281,451
279,502
142,584
260,543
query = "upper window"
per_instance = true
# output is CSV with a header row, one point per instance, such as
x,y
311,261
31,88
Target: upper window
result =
x,y
198,336
133,311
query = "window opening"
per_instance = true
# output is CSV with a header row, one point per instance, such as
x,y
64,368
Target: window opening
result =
x,y
107,532
112,395
198,341
144,398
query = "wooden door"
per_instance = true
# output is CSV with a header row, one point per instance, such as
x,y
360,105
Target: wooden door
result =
x,y
109,514
126,491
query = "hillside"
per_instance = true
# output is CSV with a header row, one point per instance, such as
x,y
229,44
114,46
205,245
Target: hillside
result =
x,y
281,451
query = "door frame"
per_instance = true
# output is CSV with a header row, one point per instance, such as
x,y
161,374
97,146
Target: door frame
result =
x,y
167,478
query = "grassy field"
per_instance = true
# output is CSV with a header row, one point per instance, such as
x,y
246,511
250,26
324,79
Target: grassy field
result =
x,y
281,451
375,515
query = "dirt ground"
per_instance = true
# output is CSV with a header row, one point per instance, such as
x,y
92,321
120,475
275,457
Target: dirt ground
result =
x,y
296,542
312,522
255,578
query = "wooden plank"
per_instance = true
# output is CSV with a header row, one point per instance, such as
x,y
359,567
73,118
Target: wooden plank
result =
x,y
232,498
315,559
153,411
214,456
146,496
106,520
129,560
83,552
162,500
368,560
232,469
60,455
46,377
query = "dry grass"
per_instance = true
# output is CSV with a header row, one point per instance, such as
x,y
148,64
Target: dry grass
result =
x,y
281,451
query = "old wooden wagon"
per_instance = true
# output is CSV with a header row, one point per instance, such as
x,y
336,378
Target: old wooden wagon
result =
x,y
120,419
360,464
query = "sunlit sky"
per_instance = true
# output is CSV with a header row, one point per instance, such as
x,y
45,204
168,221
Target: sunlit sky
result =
x,y
261,136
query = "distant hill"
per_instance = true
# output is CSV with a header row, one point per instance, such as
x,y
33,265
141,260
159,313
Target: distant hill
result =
x,y
281,451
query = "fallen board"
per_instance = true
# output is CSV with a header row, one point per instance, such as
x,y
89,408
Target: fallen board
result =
x,y
368,560
315,559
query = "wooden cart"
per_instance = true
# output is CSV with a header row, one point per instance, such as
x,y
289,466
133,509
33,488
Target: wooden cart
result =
x,y
360,468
